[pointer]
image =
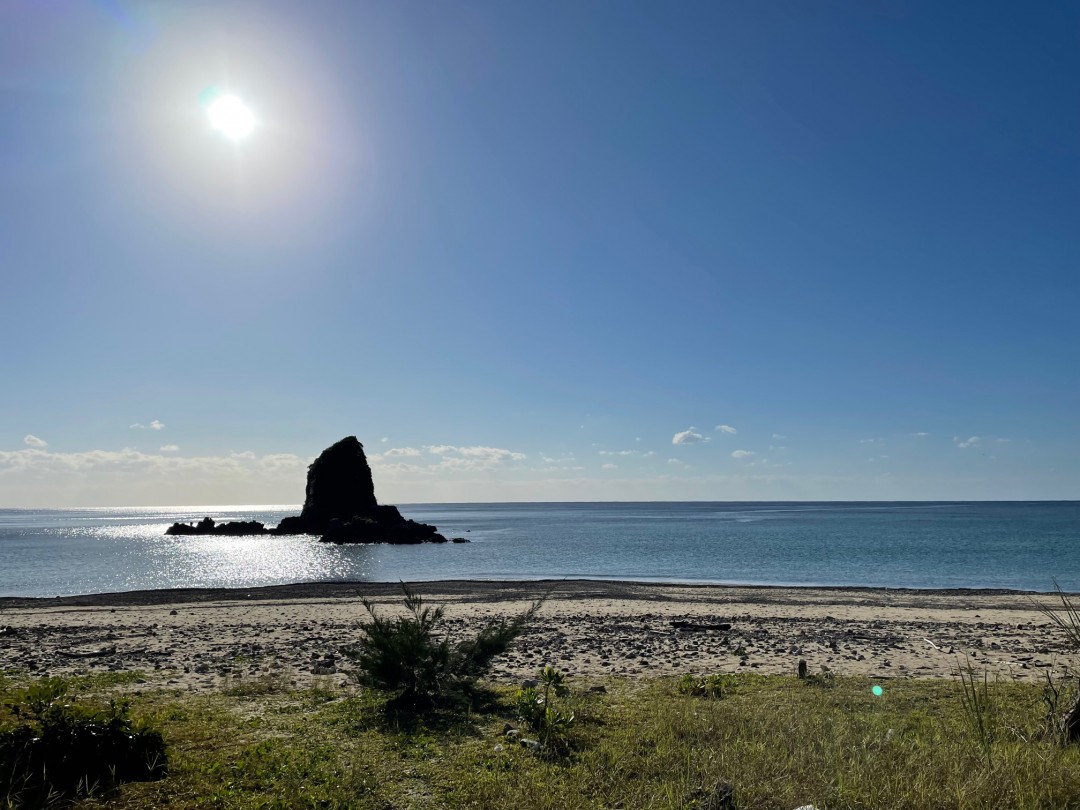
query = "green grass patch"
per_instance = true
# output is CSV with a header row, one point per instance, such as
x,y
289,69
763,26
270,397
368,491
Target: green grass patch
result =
x,y
780,742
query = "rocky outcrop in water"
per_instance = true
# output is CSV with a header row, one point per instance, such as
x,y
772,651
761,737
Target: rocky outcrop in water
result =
x,y
339,505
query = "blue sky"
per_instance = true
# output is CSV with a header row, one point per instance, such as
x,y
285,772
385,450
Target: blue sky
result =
x,y
533,251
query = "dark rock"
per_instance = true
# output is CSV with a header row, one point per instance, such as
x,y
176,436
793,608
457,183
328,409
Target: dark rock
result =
x,y
339,506
339,486
234,528
460,540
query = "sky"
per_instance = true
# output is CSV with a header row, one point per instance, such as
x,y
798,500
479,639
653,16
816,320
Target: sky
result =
x,y
550,251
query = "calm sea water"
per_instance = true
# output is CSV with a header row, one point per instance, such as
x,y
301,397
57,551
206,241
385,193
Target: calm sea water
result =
x,y
914,545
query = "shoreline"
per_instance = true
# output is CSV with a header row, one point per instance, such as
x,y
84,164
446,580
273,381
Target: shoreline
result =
x,y
297,590
205,639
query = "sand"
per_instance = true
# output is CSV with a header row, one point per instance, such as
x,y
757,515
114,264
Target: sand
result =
x,y
203,640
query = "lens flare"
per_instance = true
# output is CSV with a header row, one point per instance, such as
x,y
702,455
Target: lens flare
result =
x,y
878,691
227,113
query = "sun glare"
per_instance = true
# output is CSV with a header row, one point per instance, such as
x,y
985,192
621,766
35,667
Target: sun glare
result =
x,y
230,116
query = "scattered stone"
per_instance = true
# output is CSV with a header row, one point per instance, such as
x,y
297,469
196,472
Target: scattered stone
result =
x,y
694,627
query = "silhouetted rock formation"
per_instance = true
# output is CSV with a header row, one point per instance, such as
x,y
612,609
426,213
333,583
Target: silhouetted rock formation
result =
x,y
207,525
339,505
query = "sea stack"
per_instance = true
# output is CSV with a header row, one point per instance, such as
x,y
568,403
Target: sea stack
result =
x,y
339,505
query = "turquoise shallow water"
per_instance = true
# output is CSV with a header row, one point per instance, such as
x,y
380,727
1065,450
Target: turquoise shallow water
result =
x,y
1019,545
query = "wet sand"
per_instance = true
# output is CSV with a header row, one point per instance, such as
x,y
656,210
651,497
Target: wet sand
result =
x,y
206,639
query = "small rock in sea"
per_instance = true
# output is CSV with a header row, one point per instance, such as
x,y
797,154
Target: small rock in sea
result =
x,y
459,540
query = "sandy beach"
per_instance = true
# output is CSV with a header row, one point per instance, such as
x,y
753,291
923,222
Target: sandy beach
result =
x,y
207,639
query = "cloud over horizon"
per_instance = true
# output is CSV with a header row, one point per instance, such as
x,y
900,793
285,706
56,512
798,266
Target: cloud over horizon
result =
x,y
155,425
688,436
33,441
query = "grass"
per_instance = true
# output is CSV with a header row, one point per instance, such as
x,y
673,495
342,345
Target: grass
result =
x,y
780,742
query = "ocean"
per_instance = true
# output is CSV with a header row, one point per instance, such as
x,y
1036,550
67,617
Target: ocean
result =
x,y
1014,545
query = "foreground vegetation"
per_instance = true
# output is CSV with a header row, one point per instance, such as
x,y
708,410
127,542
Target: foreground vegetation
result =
x,y
779,742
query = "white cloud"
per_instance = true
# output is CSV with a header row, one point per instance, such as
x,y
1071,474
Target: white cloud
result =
x,y
778,437
155,425
129,476
402,451
964,444
649,454
473,458
726,429
742,453
168,448
384,439
870,441
566,459
610,466
33,441
688,436
618,452
1003,440
921,434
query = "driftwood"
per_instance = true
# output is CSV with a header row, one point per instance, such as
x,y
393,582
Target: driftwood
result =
x,y
92,654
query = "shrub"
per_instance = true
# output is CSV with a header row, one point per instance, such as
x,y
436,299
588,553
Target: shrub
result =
x,y
60,750
712,686
537,708
1064,722
404,653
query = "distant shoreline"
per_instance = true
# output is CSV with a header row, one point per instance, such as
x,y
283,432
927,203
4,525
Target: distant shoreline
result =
x,y
465,587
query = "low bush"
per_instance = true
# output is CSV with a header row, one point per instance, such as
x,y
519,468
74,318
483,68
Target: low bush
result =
x,y
537,707
711,686
53,749
405,654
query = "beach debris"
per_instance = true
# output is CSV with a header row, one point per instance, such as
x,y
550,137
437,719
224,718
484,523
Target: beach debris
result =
x,y
932,644
7,631
697,627
91,654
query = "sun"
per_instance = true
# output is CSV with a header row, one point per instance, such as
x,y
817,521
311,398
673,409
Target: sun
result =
x,y
230,116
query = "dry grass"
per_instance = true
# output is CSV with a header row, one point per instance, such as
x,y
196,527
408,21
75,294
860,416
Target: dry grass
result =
x,y
779,741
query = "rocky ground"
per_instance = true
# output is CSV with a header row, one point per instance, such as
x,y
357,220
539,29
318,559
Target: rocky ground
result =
x,y
206,639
